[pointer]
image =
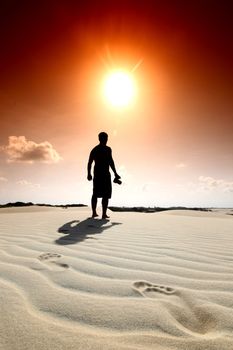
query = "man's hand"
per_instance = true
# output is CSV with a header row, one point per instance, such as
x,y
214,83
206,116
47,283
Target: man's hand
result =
x,y
89,177
117,179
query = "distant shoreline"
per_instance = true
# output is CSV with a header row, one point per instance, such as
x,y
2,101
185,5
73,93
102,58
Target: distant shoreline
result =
x,y
29,204
154,209
139,209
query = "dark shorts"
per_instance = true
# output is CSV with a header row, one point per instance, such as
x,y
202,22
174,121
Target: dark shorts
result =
x,y
102,185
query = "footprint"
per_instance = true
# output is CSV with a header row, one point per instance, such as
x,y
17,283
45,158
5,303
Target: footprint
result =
x,y
190,314
52,258
48,256
143,287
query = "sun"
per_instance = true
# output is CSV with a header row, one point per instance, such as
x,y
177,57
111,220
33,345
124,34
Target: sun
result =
x,y
119,88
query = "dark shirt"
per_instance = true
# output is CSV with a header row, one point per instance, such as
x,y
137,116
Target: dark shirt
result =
x,y
102,155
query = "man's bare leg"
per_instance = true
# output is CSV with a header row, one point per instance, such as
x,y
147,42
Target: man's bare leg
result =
x,y
105,207
94,205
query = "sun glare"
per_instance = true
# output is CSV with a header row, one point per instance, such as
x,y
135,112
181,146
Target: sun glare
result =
x,y
119,89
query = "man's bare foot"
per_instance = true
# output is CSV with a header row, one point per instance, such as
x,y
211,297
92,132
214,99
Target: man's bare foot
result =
x,y
94,215
105,217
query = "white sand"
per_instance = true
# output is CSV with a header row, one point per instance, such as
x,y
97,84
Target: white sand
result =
x,y
140,281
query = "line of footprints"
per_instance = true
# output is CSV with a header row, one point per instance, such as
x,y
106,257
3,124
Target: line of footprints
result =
x,y
142,287
183,311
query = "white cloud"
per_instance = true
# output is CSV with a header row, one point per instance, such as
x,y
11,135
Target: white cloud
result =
x,y
209,183
181,165
3,179
27,183
19,149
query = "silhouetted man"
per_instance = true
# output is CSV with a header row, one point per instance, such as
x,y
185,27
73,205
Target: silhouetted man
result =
x,y
102,186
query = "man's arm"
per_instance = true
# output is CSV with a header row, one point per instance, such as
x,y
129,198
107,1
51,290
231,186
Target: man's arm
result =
x,y
91,159
112,166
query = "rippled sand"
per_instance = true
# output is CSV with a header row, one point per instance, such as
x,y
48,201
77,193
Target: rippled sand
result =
x,y
138,281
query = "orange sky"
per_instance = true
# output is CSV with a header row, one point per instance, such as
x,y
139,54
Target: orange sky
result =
x,y
172,147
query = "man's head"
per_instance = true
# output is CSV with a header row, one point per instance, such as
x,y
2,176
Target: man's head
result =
x,y
103,138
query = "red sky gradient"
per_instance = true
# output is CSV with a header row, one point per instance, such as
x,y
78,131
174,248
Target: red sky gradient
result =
x,y
173,147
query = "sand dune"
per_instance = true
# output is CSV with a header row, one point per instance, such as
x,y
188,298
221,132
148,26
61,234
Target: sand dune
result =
x,y
139,281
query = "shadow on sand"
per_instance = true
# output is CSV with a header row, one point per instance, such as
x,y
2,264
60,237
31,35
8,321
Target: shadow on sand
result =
x,y
78,231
